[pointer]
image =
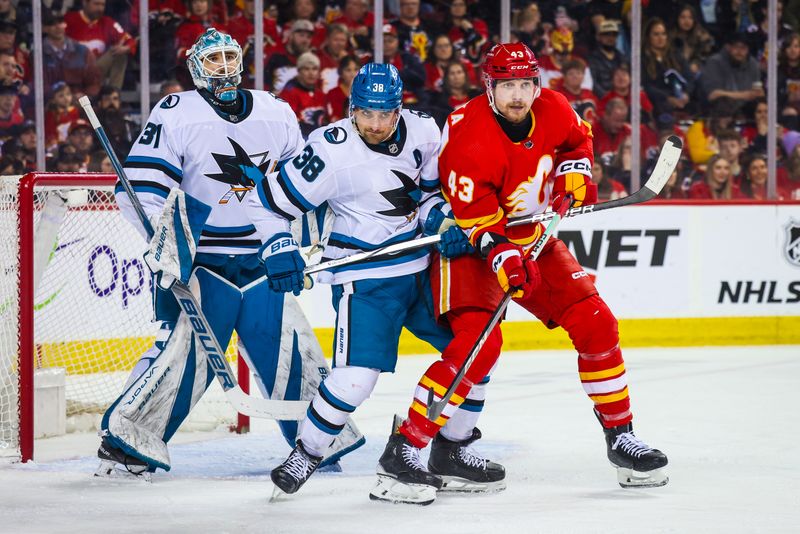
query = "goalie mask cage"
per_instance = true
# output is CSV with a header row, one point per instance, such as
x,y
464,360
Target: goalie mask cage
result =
x,y
75,295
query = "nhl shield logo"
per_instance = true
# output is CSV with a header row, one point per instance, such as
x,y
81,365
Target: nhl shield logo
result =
x,y
792,248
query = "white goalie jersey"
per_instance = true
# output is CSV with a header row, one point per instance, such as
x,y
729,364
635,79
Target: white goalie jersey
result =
x,y
378,194
214,157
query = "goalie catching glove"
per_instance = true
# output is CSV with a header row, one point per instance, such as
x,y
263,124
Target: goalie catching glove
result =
x,y
515,272
173,246
454,241
574,177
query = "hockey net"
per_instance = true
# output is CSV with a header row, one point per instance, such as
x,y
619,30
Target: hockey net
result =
x,y
75,297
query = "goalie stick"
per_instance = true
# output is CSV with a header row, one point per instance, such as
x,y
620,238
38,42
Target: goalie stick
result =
x,y
244,403
667,161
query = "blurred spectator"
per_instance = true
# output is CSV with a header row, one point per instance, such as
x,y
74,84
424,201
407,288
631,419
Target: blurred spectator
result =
x,y
337,100
8,68
793,173
755,133
757,32
164,17
8,45
677,186
457,90
550,65
415,34
717,183
470,35
701,137
359,20
66,60
331,54
307,10
611,129
201,17
408,65
11,166
527,26
665,76
8,11
120,129
110,44
61,112
282,66
169,87
789,72
80,141
732,73
621,88
605,58
69,162
730,148
22,147
99,162
690,40
582,100
607,187
620,168
242,28
753,182
443,53
304,94
10,113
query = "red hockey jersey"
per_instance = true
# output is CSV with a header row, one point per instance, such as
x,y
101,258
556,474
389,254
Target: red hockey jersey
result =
x,y
488,178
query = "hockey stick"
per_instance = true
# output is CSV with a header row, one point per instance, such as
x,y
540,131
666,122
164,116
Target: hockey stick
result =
x,y
667,161
244,403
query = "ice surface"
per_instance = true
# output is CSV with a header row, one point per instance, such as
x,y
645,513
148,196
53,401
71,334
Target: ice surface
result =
x,y
726,417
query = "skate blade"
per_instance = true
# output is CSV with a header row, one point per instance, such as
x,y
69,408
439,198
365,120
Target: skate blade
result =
x,y
115,471
389,489
278,495
628,478
462,485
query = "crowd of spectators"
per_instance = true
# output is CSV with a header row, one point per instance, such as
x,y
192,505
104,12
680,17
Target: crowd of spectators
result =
x,y
703,73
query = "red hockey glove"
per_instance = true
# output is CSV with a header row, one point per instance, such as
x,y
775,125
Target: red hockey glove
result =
x,y
583,190
513,270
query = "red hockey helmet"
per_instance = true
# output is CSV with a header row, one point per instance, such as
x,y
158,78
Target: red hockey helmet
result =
x,y
508,61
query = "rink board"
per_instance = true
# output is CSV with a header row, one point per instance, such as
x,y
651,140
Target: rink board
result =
x,y
675,275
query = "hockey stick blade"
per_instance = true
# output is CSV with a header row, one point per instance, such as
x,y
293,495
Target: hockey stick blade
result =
x,y
244,403
665,166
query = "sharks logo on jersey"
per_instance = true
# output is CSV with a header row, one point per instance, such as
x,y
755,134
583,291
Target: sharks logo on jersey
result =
x,y
404,199
239,171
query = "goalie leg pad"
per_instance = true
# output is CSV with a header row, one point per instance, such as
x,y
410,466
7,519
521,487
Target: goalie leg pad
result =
x,y
148,413
286,358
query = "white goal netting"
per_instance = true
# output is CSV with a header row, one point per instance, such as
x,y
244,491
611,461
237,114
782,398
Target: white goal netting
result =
x,y
92,304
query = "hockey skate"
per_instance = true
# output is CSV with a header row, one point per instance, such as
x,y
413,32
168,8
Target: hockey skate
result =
x,y
116,463
638,465
462,469
294,471
402,478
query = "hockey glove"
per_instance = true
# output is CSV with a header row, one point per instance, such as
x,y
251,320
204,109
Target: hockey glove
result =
x,y
583,190
283,263
454,241
514,272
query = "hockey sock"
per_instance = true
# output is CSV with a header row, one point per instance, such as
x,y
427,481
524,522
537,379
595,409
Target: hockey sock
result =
x,y
593,330
466,325
460,425
337,397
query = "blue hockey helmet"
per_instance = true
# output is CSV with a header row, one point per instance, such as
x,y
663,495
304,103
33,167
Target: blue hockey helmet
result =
x,y
377,86
222,74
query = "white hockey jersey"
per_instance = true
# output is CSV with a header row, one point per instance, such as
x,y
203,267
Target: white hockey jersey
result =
x,y
378,194
187,143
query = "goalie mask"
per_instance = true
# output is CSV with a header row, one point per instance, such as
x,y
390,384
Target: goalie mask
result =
x,y
215,63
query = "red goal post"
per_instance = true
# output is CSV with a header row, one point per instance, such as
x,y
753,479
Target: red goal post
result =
x,y
74,298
